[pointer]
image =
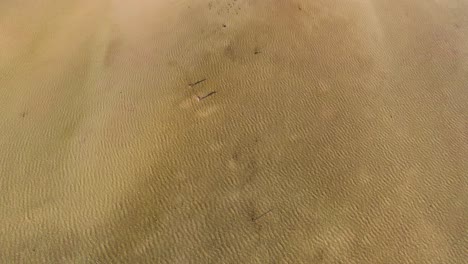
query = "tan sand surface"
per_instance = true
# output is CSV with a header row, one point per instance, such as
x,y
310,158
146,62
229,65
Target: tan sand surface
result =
x,y
338,132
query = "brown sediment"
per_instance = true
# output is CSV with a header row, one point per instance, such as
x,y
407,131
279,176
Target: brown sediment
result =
x,y
351,124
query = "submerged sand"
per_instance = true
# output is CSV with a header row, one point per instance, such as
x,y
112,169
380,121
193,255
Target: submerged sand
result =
x,y
338,132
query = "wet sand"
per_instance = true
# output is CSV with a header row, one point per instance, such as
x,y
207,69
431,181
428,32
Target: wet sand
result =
x,y
337,133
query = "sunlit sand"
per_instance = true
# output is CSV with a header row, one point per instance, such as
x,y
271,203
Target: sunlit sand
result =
x,y
234,131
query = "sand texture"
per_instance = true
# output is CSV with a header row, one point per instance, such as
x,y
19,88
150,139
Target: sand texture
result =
x,y
234,131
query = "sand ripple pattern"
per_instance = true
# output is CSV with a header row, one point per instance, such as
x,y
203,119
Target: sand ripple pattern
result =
x,y
233,131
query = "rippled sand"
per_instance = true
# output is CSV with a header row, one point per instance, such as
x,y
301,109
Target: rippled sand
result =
x,y
338,132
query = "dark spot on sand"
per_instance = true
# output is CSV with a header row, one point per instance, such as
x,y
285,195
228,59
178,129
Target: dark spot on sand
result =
x,y
229,52
197,82
199,98
254,218
111,52
257,51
